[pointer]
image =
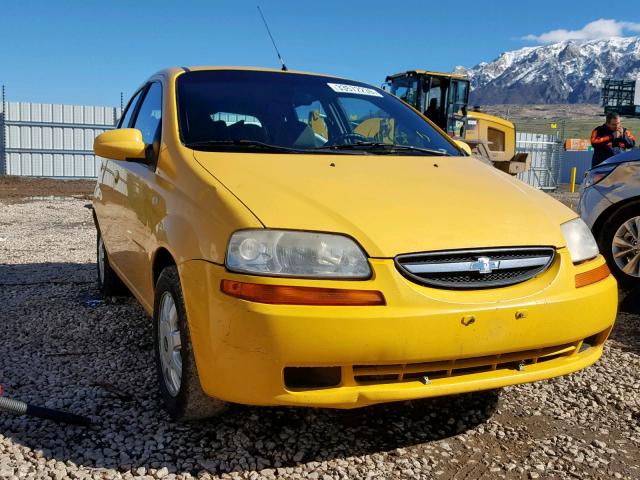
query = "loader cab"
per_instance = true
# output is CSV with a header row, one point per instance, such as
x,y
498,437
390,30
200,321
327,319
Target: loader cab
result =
x,y
441,97
444,99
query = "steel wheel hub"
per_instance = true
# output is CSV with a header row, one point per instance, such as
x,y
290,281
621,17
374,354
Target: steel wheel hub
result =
x,y
626,247
169,344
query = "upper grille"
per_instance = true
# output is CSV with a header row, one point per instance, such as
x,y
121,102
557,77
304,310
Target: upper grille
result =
x,y
475,269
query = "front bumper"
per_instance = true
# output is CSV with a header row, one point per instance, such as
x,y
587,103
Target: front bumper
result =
x,y
592,204
242,348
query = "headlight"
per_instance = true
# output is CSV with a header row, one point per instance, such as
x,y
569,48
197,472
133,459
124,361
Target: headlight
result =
x,y
597,174
296,254
580,241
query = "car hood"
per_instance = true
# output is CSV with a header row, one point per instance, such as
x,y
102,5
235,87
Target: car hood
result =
x,y
629,156
392,204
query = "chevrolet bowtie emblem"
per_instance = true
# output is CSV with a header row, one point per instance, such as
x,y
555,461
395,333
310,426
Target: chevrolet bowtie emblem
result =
x,y
485,265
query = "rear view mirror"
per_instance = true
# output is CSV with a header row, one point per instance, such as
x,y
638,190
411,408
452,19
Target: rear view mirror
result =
x,y
120,144
464,146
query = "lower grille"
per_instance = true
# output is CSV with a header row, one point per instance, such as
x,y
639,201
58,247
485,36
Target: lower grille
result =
x,y
410,372
475,269
312,378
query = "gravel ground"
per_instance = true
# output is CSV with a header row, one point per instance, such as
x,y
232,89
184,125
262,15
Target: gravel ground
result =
x,y
563,194
65,348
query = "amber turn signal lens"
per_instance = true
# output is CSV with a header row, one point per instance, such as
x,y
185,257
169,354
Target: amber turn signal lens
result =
x,y
592,276
290,295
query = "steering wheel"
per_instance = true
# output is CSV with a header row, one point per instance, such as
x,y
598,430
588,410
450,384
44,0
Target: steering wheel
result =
x,y
345,136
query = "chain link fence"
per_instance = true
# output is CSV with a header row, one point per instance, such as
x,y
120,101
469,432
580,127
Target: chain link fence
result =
x,y
544,142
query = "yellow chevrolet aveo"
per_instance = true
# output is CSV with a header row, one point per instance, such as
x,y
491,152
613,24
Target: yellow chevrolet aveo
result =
x,y
308,240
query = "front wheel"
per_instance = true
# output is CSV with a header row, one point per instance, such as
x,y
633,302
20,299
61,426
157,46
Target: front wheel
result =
x,y
177,374
108,281
619,242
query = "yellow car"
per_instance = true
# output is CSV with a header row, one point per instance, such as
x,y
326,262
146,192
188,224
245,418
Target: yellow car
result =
x,y
309,240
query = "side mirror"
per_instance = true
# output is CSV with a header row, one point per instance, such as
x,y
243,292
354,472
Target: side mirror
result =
x,y
120,144
464,146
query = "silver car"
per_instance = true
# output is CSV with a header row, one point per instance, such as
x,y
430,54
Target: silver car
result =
x,y
610,206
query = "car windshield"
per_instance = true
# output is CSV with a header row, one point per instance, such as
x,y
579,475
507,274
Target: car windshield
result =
x,y
267,112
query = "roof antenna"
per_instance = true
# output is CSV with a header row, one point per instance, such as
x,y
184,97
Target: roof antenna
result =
x,y
284,67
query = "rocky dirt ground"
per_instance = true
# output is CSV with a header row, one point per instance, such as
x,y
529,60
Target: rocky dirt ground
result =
x,y
25,189
576,111
64,347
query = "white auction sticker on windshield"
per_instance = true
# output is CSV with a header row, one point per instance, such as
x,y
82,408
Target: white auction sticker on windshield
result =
x,y
343,88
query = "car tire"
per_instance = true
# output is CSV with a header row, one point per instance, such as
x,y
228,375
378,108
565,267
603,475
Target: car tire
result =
x,y
108,281
620,229
180,387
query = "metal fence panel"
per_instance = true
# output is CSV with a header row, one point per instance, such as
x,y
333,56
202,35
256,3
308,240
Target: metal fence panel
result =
x,y
546,155
51,140
580,160
67,165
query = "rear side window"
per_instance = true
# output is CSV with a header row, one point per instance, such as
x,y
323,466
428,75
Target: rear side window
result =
x,y
233,118
128,113
149,115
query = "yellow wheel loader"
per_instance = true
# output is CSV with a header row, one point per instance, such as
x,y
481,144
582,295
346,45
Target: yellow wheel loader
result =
x,y
443,98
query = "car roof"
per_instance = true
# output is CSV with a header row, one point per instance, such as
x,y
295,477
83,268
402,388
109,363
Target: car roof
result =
x,y
175,71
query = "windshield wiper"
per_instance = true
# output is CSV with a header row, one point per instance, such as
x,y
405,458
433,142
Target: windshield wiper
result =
x,y
383,147
243,144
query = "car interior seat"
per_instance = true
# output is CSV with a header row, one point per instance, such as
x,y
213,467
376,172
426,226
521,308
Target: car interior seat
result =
x,y
299,134
247,131
317,124
202,128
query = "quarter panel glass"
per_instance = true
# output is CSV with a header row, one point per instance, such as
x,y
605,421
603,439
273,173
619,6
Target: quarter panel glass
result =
x,y
131,107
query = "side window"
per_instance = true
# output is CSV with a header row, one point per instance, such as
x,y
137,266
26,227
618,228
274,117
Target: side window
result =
x,y
433,100
368,120
314,116
360,109
149,116
128,113
233,118
405,88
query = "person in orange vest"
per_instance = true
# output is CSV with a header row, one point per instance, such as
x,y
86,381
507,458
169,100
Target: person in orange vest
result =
x,y
610,139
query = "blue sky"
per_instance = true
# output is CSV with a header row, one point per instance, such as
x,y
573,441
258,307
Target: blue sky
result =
x,y
86,52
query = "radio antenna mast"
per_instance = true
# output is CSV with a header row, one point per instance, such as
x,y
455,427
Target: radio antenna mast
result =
x,y
284,67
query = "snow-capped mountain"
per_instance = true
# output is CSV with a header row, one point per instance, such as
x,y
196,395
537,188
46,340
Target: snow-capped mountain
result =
x,y
565,72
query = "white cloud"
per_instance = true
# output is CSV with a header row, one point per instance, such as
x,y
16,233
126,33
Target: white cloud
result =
x,y
602,28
